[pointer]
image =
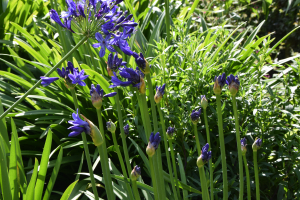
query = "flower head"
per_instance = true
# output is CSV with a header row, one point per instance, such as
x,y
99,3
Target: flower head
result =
x,y
153,143
205,156
135,173
126,129
78,77
48,80
257,144
195,116
219,83
243,145
170,132
233,84
204,102
97,95
78,125
113,63
160,91
141,63
111,126
103,43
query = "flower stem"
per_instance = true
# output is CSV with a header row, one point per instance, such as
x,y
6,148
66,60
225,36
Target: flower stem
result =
x,y
238,143
157,156
248,178
256,175
202,177
135,191
46,75
167,20
104,160
166,150
156,193
174,167
211,172
222,145
86,149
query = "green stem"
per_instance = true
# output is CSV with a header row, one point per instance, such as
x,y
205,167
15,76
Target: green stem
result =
x,y
211,175
135,191
46,75
157,157
156,194
222,145
166,150
86,149
122,164
256,175
248,178
92,58
205,195
174,166
104,160
238,143
167,20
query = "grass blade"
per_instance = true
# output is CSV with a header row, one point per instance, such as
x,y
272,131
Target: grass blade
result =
x,y
182,174
13,178
68,191
3,129
5,185
30,189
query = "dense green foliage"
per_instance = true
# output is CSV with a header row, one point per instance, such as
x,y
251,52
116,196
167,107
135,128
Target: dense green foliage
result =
x,y
202,47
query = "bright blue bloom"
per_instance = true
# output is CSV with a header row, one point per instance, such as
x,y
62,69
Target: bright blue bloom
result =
x,y
114,62
107,27
48,80
195,115
104,43
71,10
78,77
81,7
221,80
154,140
231,78
120,41
126,129
97,95
170,131
54,16
78,125
140,61
205,154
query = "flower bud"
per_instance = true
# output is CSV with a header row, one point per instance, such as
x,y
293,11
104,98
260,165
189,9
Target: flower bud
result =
x,y
205,156
153,144
142,87
170,132
243,145
96,96
204,102
94,133
142,63
233,84
195,116
160,91
219,83
135,173
111,126
126,129
257,144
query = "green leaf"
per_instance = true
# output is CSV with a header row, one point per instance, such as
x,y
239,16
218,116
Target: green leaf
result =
x,y
53,175
182,175
43,168
30,189
3,129
5,183
13,178
68,191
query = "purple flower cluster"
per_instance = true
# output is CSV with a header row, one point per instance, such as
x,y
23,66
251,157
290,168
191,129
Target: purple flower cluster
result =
x,y
170,131
113,63
78,125
195,115
154,140
220,81
205,154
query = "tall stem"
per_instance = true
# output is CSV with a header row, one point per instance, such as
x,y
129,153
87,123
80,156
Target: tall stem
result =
x,y
166,149
211,172
256,175
46,75
135,191
248,178
86,149
222,144
238,144
104,160
174,167
157,155
167,20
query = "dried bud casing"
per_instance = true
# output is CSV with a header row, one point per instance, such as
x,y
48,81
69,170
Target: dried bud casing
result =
x,y
142,88
200,162
244,150
150,150
95,133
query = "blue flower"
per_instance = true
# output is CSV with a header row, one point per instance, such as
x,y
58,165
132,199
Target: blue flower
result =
x,y
170,132
78,125
220,81
103,43
204,157
257,144
204,102
54,16
243,145
97,95
233,84
135,173
141,62
48,80
120,41
113,63
78,77
126,129
71,10
153,143
195,116
160,91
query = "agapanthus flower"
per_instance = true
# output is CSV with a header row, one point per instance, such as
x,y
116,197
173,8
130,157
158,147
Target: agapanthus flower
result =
x,y
48,80
243,145
257,144
111,126
78,77
195,116
141,63
160,91
204,102
233,84
205,156
135,173
113,63
78,125
153,143
220,81
126,129
134,78
120,40
64,73
103,43
170,132
97,95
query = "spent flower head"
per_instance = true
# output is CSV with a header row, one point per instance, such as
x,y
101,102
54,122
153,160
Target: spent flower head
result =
x,y
153,143
160,91
220,81
257,144
205,156
233,84
195,116
135,173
